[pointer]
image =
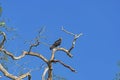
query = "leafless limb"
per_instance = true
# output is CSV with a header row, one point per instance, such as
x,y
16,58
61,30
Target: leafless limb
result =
x,y
64,50
60,49
67,31
41,31
7,74
69,67
76,36
52,60
23,55
12,56
29,52
34,45
3,40
44,73
24,75
67,51
19,57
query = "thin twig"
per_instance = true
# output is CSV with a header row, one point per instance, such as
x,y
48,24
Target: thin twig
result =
x,y
4,39
76,36
34,45
67,31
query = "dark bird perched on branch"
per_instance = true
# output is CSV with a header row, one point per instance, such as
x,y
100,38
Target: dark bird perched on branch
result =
x,y
56,43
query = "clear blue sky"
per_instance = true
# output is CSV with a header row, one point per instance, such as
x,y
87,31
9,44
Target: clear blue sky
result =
x,y
96,53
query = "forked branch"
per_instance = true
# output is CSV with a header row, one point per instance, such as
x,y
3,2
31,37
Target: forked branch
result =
x,y
7,74
29,52
76,36
67,51
37,42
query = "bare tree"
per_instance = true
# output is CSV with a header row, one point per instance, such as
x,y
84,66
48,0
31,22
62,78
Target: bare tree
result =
x,y
49,63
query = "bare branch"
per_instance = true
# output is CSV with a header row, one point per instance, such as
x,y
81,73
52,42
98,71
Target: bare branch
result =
x,y
37,55
34,45
44,73
59,49
52,59
23,55
53,54
41,31
73,70
12,56
23,76
49,67
7,74
4,71
65,50
67,31
76,36
74,40
4,39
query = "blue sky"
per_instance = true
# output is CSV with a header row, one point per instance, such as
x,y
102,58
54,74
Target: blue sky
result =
x,y
96,53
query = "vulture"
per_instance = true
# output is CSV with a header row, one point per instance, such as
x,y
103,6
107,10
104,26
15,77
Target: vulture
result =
x,y
56,43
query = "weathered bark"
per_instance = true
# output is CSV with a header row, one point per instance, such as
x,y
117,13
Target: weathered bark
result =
x,y
50,70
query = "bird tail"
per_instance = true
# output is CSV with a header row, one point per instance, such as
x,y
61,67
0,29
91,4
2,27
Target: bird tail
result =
x,y
51,47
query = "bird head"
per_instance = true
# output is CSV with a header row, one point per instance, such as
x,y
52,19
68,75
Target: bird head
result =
x,y
60,38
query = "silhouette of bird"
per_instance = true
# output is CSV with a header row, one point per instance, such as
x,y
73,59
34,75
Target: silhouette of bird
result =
x,y
56,43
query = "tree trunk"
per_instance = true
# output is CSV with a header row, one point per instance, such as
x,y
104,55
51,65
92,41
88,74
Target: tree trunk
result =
x,y
50,71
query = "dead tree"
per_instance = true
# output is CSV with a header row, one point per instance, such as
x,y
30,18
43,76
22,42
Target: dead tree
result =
x,y
49,62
